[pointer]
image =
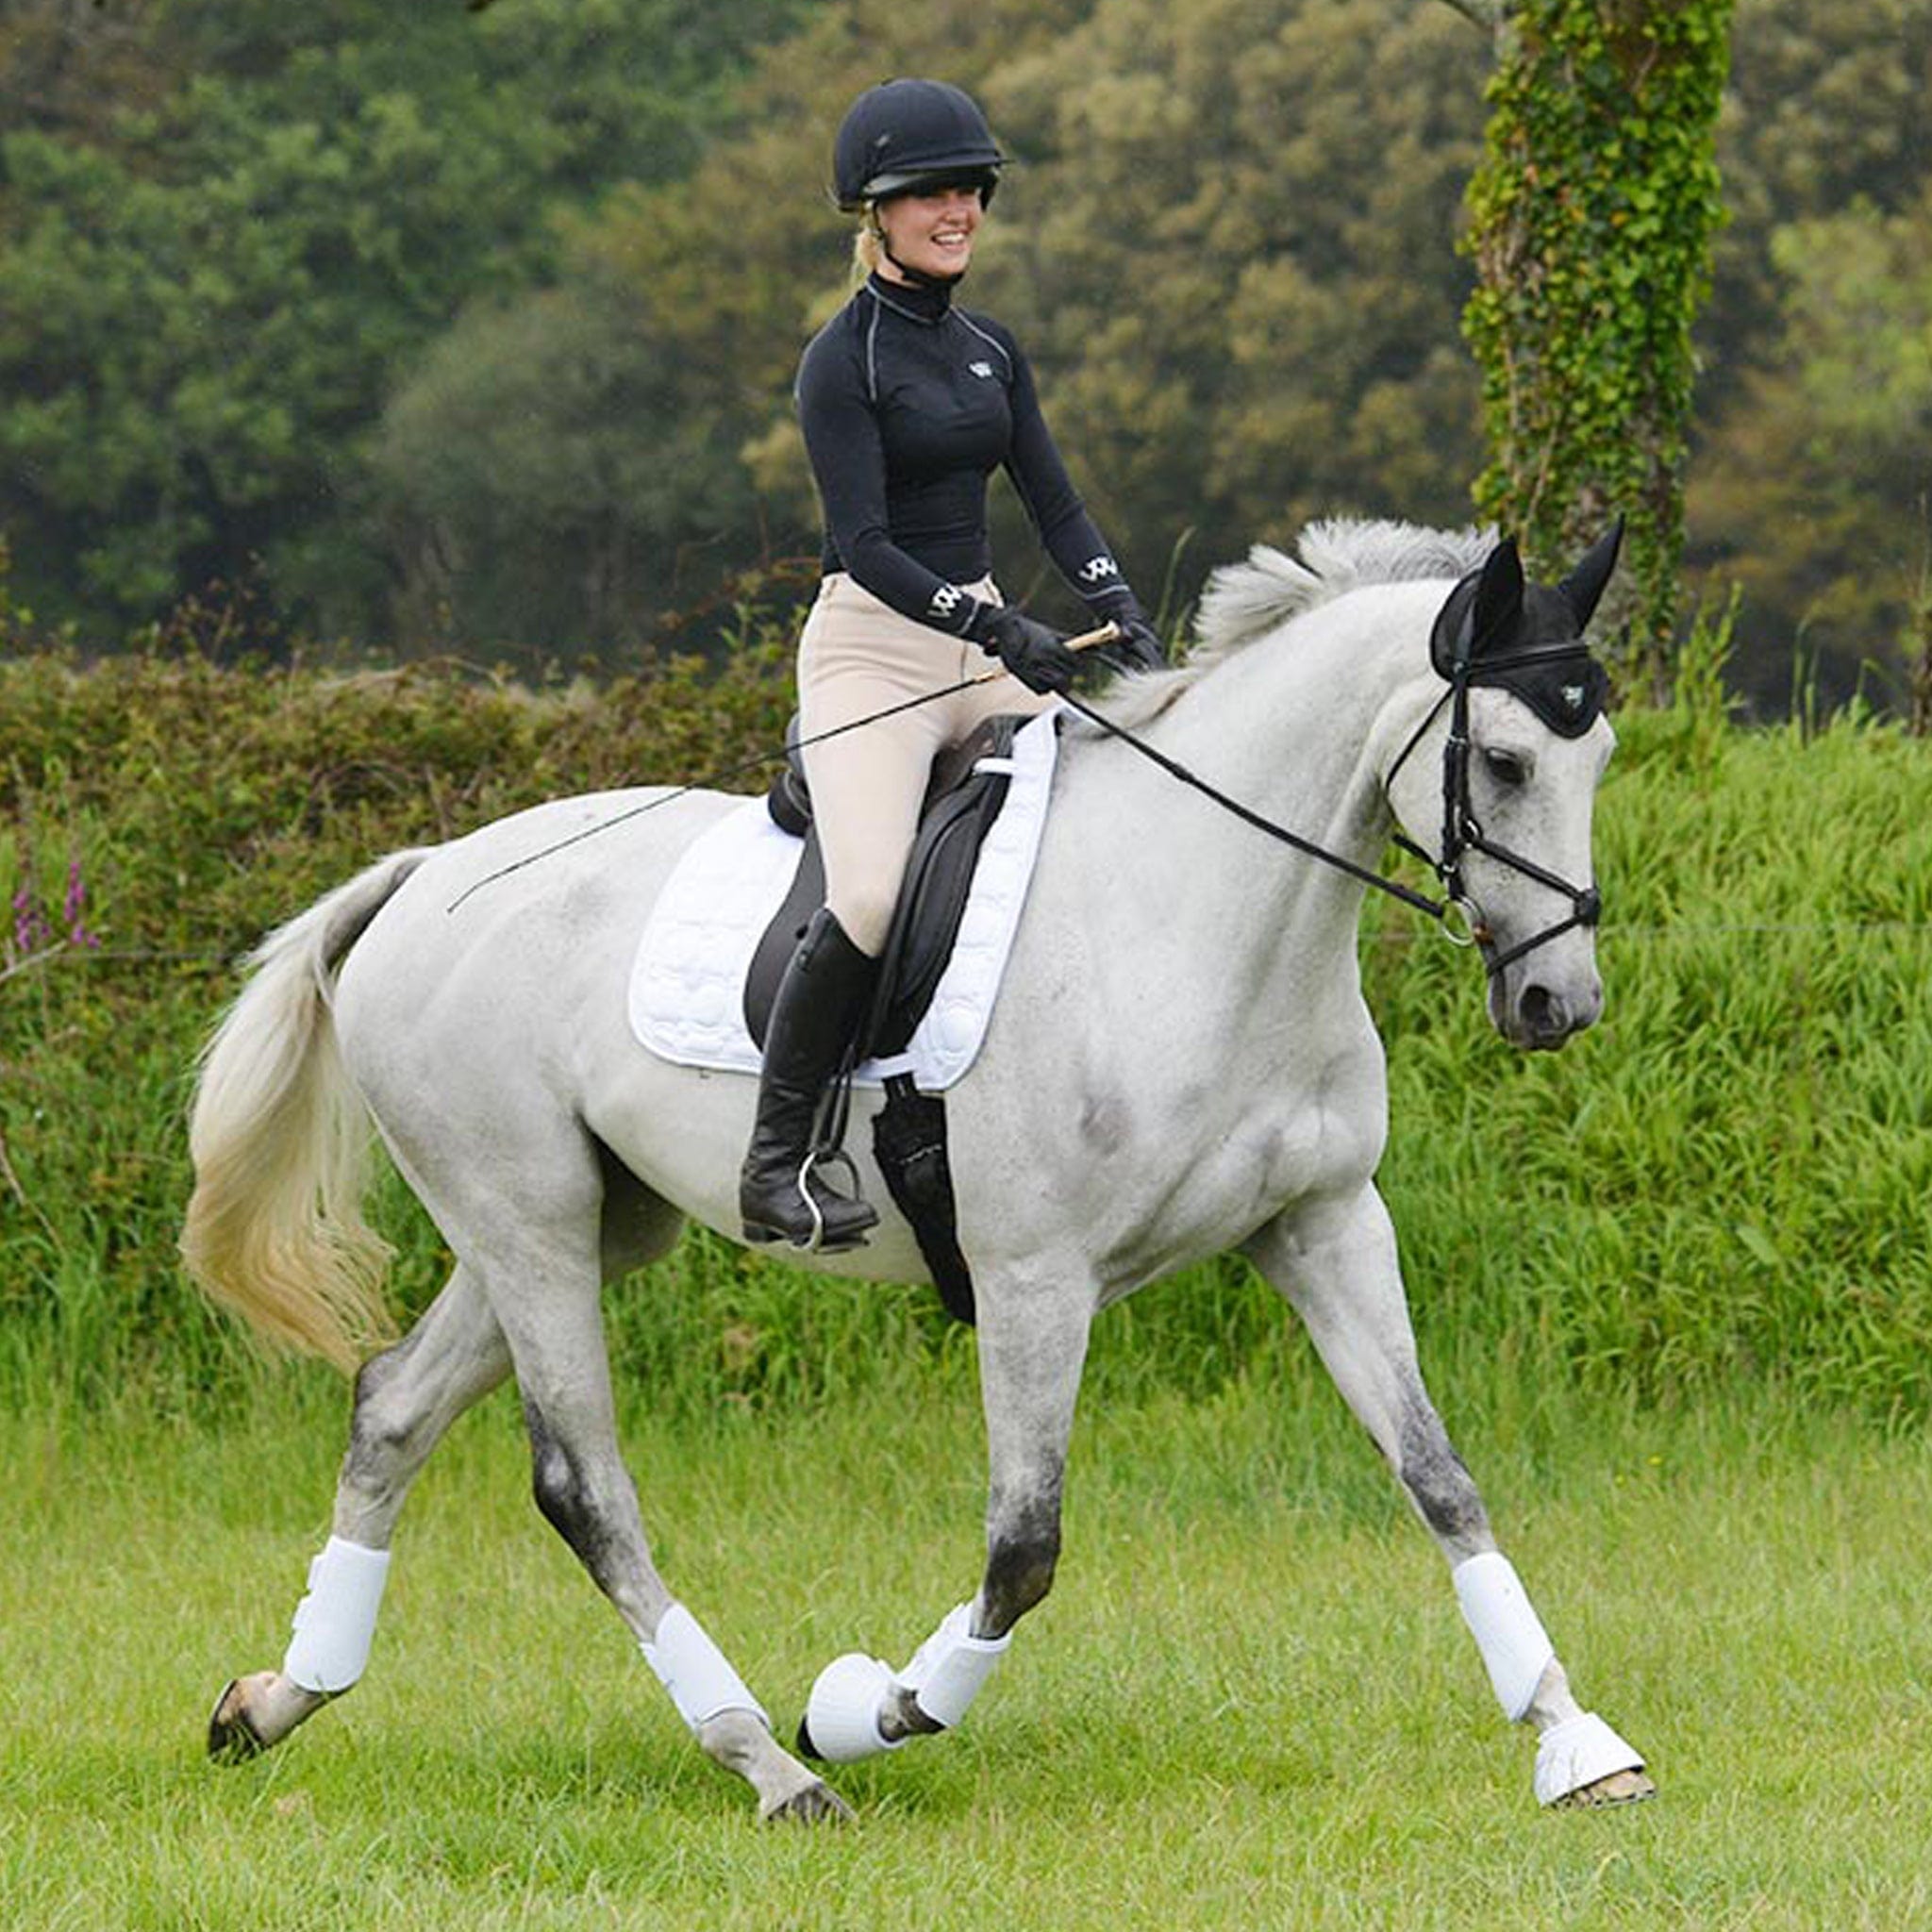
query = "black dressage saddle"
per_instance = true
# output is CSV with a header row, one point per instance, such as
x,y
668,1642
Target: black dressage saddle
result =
x,y
968,788
962,800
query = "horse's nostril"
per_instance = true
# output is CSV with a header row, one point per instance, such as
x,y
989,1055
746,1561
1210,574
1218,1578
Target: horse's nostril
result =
x,y
1542,1012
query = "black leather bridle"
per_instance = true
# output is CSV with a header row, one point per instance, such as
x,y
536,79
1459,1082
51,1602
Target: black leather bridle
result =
x,y
1463,832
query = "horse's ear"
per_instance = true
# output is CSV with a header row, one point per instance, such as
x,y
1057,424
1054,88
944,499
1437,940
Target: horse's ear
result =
x,y
1485,604
1584,587
1498,596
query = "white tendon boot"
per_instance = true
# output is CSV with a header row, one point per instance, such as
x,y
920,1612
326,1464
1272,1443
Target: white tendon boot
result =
x,y
1516,1648
946,1673
335,1624
1577,1751
696,1673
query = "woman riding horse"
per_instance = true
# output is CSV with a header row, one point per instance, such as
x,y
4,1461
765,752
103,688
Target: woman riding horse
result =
x,y
908,404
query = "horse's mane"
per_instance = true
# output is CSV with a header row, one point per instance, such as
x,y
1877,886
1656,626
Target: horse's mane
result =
x,y
1241,600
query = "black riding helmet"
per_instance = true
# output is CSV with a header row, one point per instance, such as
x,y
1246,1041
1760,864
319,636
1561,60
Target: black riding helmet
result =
x,y
902,135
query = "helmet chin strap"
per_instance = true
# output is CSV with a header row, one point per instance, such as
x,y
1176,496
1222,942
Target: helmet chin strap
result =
x,y
920,276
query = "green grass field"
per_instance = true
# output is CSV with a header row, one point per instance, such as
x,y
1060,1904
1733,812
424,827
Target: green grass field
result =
x,y
1249,1702
1671,1284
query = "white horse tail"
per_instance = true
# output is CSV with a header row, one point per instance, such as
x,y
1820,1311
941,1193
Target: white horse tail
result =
x,y
280,1141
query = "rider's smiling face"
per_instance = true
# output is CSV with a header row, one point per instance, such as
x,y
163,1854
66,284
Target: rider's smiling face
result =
x,y
930,233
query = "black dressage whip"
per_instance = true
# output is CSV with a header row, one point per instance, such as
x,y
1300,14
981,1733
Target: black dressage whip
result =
x,y
1108,633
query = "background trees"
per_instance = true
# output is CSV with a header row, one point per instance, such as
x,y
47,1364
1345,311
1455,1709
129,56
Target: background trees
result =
x,y
214,285
444,330
1227,242
1815,460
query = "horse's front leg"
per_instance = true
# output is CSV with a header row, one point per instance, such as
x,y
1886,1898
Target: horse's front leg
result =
x,y
1032,1347
1336,1262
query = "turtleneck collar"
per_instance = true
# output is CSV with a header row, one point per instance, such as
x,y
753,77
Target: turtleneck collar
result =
x,y
919,301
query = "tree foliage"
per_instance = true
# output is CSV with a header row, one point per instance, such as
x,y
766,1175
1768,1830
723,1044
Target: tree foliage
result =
x,y
477,330
1226,243
673,325
1593,215
1821,472
213,291
1814,468
1235,263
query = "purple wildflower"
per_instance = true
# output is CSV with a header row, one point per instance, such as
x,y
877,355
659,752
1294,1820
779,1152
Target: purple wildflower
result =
x,y
74,912
31,928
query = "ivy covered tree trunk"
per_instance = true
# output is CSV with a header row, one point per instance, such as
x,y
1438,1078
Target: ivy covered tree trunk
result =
x,y
1592,218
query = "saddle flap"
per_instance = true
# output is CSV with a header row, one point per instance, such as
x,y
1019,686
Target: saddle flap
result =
x,y
969,789
961,803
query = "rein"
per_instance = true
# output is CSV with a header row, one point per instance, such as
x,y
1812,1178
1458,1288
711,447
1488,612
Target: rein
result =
x,y
1461,833
1435,909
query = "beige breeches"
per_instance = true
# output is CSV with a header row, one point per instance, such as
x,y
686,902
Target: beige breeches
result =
x,y
857,657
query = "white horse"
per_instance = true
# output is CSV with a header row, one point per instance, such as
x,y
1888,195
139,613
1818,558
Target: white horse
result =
x,y
1181,1062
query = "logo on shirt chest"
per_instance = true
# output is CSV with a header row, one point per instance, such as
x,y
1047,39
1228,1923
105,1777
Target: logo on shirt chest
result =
x,y
982,369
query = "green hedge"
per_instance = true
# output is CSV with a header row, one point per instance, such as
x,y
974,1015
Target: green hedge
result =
x,y
1730,1177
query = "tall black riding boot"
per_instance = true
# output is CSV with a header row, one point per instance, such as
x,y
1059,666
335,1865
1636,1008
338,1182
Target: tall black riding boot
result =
x,y
822,1002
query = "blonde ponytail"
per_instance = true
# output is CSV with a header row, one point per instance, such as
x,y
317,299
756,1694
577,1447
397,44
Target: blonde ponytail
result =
x,y
868,244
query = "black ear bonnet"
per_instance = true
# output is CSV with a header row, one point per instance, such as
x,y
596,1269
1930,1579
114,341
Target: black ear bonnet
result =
x,y
1528,639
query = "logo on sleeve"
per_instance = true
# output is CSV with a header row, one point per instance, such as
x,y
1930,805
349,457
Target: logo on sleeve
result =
x,y
1097,570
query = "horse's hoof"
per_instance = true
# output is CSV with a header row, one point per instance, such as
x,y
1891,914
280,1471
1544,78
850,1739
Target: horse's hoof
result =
x,y
231,1739
253,1714
1619,1788
814,1804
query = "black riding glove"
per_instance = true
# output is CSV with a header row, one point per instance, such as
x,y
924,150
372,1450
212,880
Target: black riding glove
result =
x,y
1030,651
1139,648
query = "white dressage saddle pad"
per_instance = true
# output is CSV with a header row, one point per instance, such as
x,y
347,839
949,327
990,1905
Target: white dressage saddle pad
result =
x,y
687,983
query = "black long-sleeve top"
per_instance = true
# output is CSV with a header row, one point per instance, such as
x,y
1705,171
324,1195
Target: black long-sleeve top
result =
x,y
908,405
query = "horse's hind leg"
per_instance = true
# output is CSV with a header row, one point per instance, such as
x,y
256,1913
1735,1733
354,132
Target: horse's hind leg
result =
x,y
406,1399
544,1282
1336,1264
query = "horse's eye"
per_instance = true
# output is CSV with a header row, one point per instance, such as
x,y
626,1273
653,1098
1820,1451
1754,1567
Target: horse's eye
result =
x,y
1504,767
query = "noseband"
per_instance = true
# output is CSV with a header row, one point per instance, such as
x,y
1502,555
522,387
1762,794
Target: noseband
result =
x,y
1461,831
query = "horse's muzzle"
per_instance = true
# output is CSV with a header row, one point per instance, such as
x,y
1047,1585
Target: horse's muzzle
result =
x,y
1539,1017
